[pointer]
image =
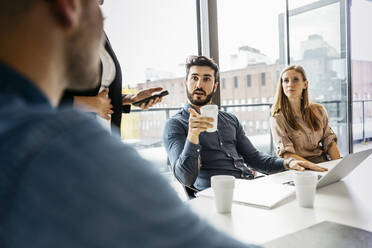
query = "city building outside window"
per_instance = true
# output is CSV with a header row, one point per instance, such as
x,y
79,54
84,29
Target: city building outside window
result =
x,y
250,101
263,78
235,82
317,41
249,80
361,64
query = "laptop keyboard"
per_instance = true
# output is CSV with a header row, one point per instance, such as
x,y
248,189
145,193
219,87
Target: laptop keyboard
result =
x,y
291,182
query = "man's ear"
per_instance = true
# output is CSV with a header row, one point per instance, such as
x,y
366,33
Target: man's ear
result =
x,y
215,86
68,12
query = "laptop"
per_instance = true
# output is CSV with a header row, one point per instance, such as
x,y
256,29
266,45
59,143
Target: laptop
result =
x,y
340,170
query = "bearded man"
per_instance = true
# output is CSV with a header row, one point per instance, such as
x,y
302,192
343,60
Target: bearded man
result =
x,y
196,155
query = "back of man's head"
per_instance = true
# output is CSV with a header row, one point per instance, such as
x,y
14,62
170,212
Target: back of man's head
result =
x,y
54,43
202,61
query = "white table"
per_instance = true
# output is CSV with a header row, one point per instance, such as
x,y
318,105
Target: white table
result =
x,y
347,202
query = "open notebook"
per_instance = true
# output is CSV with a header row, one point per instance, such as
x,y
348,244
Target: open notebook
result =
x,y
265,194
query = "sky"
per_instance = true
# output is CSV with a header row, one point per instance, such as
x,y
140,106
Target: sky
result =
x,y
151,34
242,23
324,21
160,34
361,19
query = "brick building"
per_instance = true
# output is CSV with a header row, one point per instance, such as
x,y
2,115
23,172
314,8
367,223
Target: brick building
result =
x,y
254,84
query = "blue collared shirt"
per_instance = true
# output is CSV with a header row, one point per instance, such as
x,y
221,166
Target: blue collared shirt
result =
x,y
65,182
227,151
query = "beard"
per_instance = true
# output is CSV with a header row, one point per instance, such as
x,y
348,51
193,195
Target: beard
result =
x,y
199,102
82,51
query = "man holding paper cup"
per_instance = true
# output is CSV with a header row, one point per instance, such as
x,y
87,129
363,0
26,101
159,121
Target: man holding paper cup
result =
x,y
202,141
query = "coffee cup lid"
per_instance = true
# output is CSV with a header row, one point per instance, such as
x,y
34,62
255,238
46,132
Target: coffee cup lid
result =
x,y
306,177
222,181
209,107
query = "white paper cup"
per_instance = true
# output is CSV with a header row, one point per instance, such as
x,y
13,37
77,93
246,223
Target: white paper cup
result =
x,y
305,184
223,187
210,111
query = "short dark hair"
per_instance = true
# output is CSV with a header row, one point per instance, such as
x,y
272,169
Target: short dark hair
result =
x,y
202,61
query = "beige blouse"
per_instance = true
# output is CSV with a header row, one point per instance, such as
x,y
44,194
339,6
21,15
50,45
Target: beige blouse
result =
x,y
305,142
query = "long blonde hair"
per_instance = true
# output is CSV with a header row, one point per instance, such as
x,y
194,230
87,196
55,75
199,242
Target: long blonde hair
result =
x,y
281,103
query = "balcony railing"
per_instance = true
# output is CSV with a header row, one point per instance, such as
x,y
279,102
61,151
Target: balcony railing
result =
x,y
364,133
362,125
361,134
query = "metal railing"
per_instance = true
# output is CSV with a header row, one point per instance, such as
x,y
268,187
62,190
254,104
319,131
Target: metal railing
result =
x,y
334,115
337,119
365,137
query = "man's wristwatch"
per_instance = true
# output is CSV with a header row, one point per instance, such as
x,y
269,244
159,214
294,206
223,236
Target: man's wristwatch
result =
x,y
287,162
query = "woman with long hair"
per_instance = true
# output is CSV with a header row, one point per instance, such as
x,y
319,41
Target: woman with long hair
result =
x,y
300,128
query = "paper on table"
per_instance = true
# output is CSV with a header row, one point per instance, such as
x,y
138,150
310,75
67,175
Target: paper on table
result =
x,y
255,193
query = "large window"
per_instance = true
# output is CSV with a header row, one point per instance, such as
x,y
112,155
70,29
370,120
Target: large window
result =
x,y
152,40
317,42
250,49
361,55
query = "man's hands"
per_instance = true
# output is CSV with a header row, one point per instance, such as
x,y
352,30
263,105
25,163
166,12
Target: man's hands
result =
x,y
129,99
99,104
197,124
303,165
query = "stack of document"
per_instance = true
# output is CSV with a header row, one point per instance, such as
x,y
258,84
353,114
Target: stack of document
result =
x,y
256,193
